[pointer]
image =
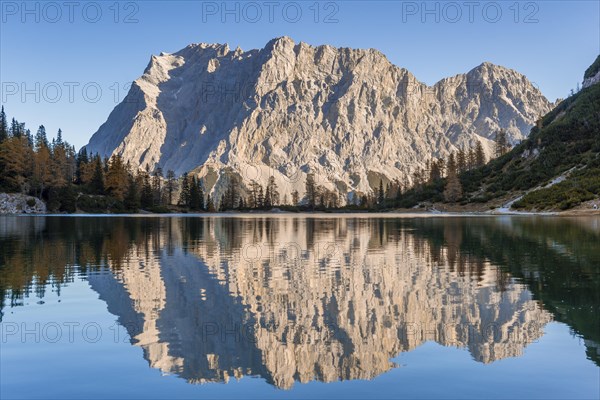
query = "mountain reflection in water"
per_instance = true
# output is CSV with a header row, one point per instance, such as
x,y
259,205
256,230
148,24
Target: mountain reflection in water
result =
x,y
302,298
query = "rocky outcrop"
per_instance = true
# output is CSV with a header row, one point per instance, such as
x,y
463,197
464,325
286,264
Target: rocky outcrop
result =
x,y
592,80
16,203
349,116
592,74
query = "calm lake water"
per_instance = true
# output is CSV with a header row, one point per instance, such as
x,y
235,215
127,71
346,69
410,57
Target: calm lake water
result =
x,y
300,306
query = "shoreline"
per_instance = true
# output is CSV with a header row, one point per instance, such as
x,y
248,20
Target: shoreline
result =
x,y
333,214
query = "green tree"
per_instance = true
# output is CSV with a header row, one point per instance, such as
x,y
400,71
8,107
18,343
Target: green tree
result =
x,y
157,188
453,190
461,161
311,190
3,126
68,198
96,185
380,194
147,195
196,197
171,186
132,197
501,143
479,155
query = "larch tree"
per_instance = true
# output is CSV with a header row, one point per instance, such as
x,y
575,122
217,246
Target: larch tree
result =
x,y
117,178
453,190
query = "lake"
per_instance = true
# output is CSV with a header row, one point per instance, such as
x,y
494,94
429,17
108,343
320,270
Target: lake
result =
x,y
297,306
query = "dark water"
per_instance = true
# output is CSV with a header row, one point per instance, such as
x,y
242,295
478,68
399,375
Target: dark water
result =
x,y
299,306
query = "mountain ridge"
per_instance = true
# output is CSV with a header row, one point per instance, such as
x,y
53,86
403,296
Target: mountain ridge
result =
x,y
349,116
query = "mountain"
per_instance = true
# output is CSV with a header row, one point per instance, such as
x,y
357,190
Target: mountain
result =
x,y
349,116
558,166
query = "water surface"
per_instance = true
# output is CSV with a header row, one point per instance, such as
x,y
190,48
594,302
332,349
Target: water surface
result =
x,y
299,306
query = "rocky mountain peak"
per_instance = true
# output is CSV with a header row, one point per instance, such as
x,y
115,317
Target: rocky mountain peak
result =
x,y
347,115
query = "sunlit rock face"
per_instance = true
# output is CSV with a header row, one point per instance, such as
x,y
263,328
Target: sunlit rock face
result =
x,y
297,300
347,115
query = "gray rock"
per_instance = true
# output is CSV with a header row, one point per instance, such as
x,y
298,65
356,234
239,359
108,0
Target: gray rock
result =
x,y
15,203
349,116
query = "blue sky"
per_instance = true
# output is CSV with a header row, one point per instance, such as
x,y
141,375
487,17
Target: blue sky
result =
x,y
56,55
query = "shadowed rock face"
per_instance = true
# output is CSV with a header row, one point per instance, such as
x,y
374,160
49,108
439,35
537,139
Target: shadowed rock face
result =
x,y
288,109
297,299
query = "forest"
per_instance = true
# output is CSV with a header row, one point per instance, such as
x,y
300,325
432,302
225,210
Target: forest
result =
x,y
70,181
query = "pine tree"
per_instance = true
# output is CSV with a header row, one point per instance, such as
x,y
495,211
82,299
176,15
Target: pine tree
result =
x,y
501,143
461,161
311,190
82,161
3,126
117,178
132,197
273,192
59,165
453,189
97,181
479,155
59,141
184,195
196,202
42,175
471,159
147,195
260,198
171,186
41,139
268,198
68,198
15,128
157,186
451,167
380,194
435,172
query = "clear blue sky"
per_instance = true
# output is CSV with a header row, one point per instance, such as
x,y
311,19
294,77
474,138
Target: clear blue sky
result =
x,y
69,45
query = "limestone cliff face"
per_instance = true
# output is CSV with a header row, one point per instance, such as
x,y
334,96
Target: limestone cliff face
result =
x,y
272,298
349,116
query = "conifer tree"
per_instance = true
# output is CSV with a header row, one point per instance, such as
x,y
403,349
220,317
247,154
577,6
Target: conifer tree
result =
x,y
132,197
147,195
117,178
184,195
461,161
501,143
97,181
15,161
479,155
171,186
311,190
196,202
3,126
453,189
157,186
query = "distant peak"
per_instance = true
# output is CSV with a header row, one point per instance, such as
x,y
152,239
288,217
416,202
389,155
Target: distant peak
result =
x,y
281,39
